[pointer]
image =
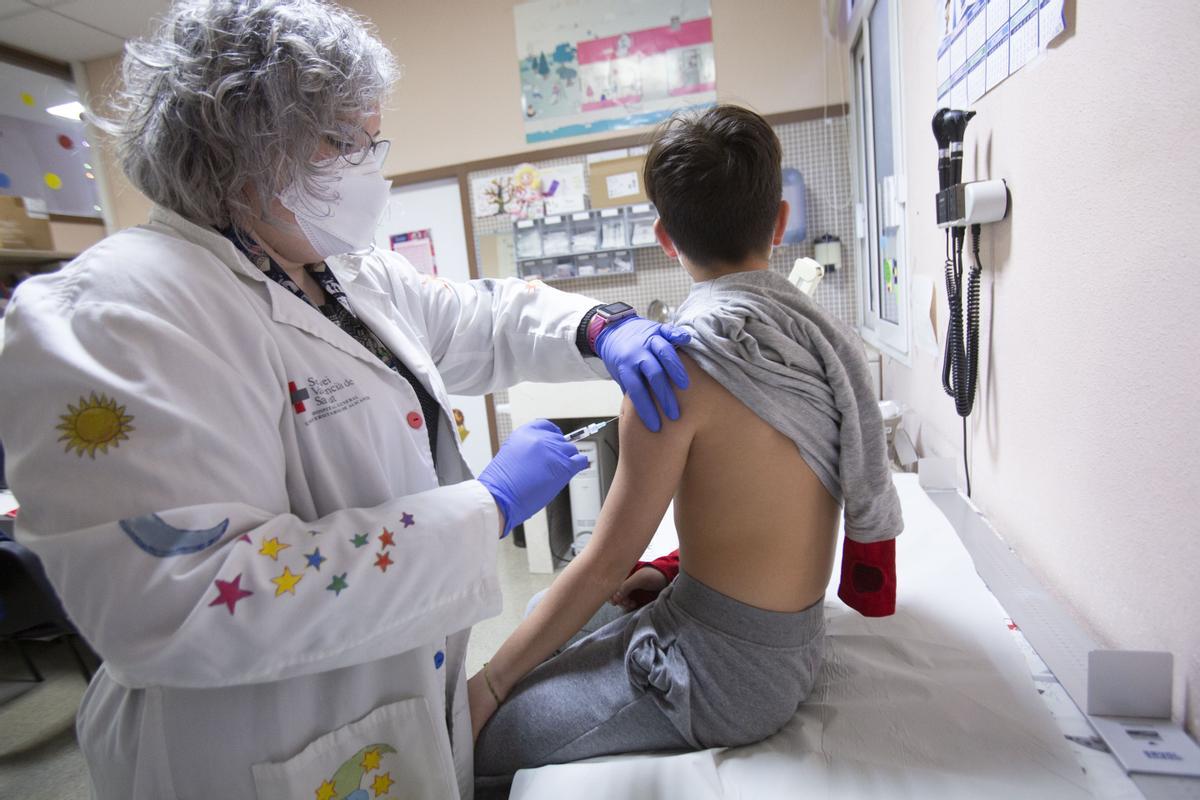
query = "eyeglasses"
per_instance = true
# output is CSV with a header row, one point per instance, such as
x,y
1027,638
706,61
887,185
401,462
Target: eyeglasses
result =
x,y
355,153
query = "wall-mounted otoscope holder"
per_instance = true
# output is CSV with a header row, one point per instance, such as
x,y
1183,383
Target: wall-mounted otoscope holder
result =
x,y
973,203
960,204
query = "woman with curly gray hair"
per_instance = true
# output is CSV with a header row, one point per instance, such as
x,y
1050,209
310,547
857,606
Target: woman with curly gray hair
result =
x,y
240,469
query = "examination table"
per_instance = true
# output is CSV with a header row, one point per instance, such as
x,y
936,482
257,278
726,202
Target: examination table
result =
x,y
934,702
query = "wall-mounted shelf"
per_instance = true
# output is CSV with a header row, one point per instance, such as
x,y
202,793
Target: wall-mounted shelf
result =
x,y
585,244
33,256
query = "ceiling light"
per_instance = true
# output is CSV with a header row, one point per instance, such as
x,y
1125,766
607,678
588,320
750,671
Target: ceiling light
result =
x,y
72,110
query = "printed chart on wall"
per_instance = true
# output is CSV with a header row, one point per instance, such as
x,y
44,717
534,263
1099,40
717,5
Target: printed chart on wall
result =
x,y
417,247
588,67
985,41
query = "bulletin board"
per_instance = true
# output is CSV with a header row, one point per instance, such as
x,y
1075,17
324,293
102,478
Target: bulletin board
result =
x,y
589,67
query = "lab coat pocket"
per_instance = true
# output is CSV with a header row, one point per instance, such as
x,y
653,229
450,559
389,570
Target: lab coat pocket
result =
x,y
394,751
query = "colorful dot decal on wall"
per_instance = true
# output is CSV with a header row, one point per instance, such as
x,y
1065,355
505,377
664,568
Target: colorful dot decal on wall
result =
x,y
52,180
65,142
5,181
27,98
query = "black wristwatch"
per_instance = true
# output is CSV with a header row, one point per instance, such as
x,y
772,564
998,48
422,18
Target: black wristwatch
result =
x,y
595,321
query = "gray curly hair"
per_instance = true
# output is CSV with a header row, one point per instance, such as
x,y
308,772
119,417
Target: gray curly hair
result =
x,y
229,94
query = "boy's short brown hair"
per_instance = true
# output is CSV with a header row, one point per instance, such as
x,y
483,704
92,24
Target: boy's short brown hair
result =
x,y
716,180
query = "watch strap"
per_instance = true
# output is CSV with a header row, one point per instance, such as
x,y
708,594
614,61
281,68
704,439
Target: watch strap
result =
x,y
581,333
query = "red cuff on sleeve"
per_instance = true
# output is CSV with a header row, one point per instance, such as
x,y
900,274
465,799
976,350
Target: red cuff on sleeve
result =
x,y
668,565
868,582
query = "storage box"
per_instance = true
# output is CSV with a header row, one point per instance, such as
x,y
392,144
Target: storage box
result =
x,y
617,182
18,231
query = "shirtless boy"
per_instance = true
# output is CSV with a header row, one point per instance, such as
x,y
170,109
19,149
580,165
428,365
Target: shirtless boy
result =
x,y
777,431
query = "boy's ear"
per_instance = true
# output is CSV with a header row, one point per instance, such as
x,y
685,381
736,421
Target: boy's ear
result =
x,y
664,239
781,222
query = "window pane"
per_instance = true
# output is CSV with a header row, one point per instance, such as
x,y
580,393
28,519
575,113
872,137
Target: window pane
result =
x,y
866,244
887,265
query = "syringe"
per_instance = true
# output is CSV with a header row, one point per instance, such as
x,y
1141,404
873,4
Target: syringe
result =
x,y
588,430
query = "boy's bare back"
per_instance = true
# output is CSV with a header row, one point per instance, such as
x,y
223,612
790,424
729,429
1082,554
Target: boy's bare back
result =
x,y
754,522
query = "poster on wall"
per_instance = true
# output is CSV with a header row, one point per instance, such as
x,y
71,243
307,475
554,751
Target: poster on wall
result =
x,y
983,42
588,67
417,247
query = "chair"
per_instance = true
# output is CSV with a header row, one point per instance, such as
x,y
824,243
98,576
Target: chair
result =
x,y
29,608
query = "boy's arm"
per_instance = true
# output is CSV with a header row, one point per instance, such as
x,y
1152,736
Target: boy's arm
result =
x,y
648,472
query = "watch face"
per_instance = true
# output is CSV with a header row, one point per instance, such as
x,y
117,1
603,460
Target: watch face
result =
x,y
615,309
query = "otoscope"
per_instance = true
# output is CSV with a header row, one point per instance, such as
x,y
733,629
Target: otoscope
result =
x,y
949,128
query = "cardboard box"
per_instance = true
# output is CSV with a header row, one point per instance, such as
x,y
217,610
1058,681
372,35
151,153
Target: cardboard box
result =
x,y
18,231
617,182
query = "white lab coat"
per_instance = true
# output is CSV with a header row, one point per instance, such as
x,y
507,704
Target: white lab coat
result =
x,y
186,437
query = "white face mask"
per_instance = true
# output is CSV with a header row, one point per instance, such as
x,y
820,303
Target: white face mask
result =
x,y
347,222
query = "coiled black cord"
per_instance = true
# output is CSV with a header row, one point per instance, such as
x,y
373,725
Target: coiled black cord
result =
x,y
960,367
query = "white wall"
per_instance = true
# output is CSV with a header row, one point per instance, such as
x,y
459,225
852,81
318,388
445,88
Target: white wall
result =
x,y
460,97
1085,444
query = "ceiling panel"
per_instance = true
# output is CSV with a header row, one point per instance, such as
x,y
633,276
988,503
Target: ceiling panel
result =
x,y
125,18
10,7
53,36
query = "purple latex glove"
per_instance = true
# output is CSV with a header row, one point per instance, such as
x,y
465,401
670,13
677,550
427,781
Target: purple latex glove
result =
x,y
639,354
533,465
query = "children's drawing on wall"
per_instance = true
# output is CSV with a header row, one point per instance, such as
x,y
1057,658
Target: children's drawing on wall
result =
x,y
550,81
492,196
588,67
526,195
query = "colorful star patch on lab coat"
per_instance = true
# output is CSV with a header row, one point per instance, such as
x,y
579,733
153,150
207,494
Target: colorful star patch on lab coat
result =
x,y
229,593
286,582
315,559
337,584
348,781
271,548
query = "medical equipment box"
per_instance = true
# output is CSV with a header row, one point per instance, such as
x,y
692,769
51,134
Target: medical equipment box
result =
x,y
19,231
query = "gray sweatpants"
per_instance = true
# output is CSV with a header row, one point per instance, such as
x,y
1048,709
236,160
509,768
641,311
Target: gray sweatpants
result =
x,y
691,670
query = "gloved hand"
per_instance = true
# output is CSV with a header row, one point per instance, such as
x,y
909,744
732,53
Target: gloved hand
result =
x,y
533,465
637,352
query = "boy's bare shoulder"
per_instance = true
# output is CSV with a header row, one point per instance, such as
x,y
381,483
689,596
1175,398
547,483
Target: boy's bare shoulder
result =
x,y
705,396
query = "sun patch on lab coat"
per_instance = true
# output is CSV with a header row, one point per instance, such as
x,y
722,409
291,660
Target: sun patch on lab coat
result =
x,y
97,423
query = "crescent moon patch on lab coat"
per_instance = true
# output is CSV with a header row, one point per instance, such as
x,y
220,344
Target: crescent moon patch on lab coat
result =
x,y
159,538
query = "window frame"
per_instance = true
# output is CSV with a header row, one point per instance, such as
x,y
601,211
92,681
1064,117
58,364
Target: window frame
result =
x,y
892,339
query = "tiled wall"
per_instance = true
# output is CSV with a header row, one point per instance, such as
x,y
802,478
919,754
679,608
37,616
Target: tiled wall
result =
x,y
818,149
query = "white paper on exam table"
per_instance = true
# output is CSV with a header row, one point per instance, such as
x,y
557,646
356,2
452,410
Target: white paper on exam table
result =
x,y
934,702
